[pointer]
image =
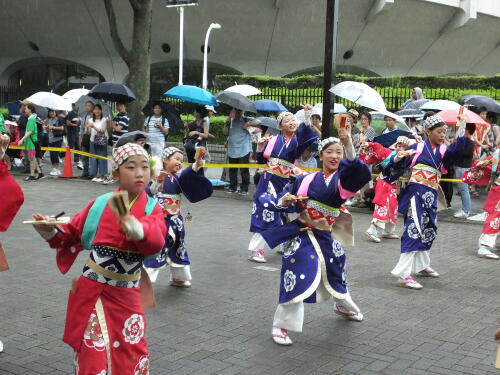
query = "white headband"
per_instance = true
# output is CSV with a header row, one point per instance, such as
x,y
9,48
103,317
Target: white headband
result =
x,y
122,153
282,115
169,151
327,141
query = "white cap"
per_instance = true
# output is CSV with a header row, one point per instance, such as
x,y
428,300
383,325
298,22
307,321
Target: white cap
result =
x,y
210,108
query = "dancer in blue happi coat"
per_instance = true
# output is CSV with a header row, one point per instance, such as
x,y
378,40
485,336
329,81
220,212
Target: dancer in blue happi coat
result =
x,y
281,152
418,202
314,263
167,190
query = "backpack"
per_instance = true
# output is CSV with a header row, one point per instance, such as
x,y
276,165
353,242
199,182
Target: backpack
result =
x,y
94,216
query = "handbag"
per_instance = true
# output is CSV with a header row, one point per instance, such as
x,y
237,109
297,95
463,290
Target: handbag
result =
x,y
190,144
100,139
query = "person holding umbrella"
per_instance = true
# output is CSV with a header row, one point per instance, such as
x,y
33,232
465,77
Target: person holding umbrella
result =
x,y
98,126
239,147
157,128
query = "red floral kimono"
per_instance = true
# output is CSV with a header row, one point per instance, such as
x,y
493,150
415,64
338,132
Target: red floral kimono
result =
x,y
105,323
386,193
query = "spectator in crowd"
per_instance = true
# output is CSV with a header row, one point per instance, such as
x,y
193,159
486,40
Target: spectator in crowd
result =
x,y
43,139
365,118
196,133
85,137
316,123
416,94
29,140
21,123
73,133
390,124
239,147
98,125
56,131
461,165
120,122
210,112
308,157
157,128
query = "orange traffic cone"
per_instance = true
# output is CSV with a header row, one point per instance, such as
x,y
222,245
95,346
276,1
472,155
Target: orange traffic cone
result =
x,y
68,166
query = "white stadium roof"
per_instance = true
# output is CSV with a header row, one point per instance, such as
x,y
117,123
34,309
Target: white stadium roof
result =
x,y
275,37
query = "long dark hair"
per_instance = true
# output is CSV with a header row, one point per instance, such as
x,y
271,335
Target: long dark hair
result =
x,y
93,114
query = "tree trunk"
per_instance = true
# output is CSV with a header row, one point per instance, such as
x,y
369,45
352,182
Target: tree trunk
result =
x,y
140,62
138,58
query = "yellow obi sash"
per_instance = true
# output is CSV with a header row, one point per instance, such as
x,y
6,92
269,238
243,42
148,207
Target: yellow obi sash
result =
x,y
279,167
170,203
319,216
425,175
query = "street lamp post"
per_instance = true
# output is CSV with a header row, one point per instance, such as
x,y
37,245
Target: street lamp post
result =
x,y
205,53
181,4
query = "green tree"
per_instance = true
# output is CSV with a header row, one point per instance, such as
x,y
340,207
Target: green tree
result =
x,y
138,57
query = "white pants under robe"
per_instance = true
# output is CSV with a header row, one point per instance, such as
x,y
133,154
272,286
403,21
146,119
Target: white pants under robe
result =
x,y
412,262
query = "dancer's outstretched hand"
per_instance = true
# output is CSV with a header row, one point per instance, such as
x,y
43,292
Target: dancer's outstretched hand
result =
x,y
42,227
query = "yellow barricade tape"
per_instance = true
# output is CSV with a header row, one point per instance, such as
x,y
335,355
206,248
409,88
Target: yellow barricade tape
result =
x,y
208,165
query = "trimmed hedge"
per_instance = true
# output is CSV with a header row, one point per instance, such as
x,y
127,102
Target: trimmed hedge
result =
x,y
316,81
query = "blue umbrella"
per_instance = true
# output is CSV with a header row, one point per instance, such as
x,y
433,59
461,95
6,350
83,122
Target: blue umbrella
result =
x,y
191,94
267,105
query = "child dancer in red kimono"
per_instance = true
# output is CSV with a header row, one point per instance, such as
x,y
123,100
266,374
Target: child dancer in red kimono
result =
x,y
385,214
491,227
12,200
105,322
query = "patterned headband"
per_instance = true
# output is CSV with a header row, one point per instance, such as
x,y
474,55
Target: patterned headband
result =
x,y
122,153
169,151
282,115
432,122
327,142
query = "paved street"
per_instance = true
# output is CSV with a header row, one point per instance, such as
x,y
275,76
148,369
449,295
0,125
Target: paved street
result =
x,y
222,324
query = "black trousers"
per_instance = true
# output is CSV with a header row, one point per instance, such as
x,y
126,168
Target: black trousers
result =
x,y
245,173
74,143
448,186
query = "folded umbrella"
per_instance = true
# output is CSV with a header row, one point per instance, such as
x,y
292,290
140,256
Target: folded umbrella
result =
x,y
267,105
359,93
480,101
191,94
439,105
80,103
50,100
236,100
113,92
245,90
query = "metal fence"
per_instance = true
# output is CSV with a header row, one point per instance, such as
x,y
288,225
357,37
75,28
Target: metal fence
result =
x,y
394,97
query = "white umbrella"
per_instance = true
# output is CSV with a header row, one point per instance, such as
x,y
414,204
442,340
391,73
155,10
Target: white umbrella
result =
x,y
245,90
439,105
359,93
337,108
50,100
75,94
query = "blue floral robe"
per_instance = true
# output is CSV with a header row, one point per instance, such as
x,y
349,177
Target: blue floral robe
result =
x,y
313,265
419,202
270,185
196,187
